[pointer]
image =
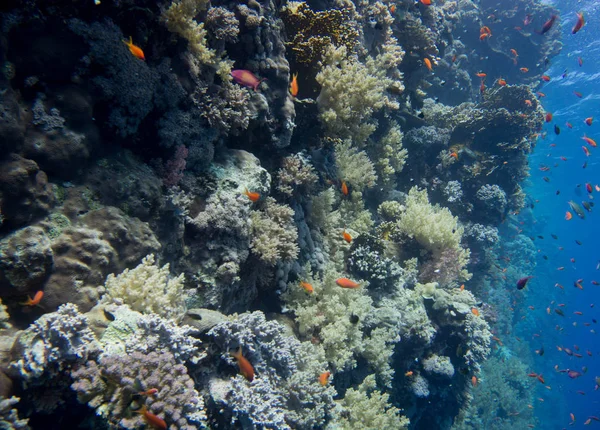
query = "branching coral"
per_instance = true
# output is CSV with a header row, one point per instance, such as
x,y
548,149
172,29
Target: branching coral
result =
x,y
311,32
148,288
285,391
295,173
274,235
351,92
389,154
367,409
9,417
111,383
51,344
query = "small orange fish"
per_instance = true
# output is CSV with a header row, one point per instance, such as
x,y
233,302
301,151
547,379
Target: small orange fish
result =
x,y
514,52
344,188
307,287
135,50
347,236
528,103
572,415
568,124
579,24
482,87
324,378
485,30
428,64
481,75
524,69
501,82
426,2
346,283
548,117
484,36
475,311
545,78
37,298
589,120
462,287
541,378
294,85
590,141
254,197
152,420
540,95
454,155
409,373
245,366
474,381
393,9
586,151
150,392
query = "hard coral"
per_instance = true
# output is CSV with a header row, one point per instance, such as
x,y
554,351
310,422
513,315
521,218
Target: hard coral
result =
x,y
110,383
285,392
312,33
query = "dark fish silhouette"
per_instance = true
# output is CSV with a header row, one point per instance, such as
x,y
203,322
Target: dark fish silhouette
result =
x,y
521,283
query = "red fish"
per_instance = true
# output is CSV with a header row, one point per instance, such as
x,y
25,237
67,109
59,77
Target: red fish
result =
x,y
568,124
254,197
589,141
548,25
347,236
153,420
245,366
578,94
37,298
344,188
426,2
589,188
545,78
579,24
589,120
246,78
135,50
548,117
346,283
324,378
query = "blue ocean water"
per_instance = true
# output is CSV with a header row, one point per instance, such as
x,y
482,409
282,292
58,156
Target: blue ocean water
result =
x,y
574,255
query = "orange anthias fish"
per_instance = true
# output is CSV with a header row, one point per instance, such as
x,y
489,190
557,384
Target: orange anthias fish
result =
x,y
150,392
548,117
501,82
475,311
246,368
545,78
586,151
474,381
294,85
568,216
428,64
454,155
152,420
426,2
307,287
254,197
514,52
344,188
324,378
524,69
579,24
481,75
346,283
135,50
589,120
590,141
347,236
37,298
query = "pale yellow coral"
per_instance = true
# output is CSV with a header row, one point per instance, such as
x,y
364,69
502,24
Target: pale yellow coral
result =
x,y
148,288
274,235
354,165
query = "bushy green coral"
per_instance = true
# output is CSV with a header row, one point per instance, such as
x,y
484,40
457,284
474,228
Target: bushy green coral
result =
x,y
148,288
332,314
433,227
368,409
389,155
274,234
312,33
354,165
351,92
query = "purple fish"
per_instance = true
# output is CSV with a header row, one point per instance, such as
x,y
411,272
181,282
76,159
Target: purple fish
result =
x,y
573,374
521,283
548,25
246,78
